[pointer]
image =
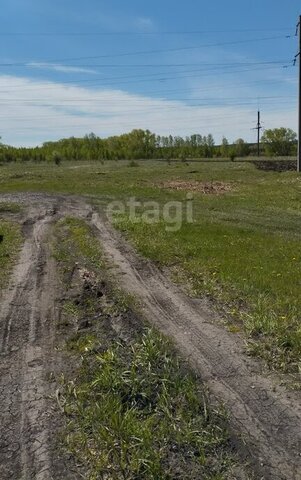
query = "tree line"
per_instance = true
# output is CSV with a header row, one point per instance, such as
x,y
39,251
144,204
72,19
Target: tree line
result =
x,y
143,144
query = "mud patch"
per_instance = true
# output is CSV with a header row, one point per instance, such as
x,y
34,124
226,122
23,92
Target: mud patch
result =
x,y
206,188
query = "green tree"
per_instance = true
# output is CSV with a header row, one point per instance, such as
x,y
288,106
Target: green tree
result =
x,y
241,148
208,143
139,144
279,141
224,148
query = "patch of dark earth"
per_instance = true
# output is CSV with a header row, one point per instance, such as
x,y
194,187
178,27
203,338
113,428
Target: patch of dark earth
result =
x,y
276,165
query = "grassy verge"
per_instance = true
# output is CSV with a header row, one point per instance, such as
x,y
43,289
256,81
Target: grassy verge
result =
x,y
10,241
133,410
253,276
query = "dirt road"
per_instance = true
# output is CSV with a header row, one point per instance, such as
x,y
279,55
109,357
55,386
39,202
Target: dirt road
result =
x,y
265,419
28,314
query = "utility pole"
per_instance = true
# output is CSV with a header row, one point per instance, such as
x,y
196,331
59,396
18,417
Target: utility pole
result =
x,y
299,127
258,128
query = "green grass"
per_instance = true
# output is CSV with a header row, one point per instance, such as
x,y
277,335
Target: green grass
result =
x,y
9,248
133,410
75,244
243,248
135,414
8,208
255,276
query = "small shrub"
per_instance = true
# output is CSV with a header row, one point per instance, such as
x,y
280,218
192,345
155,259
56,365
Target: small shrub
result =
x,y
133,163
232,156
57,158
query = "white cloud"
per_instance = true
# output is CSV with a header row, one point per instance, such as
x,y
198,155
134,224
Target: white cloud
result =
x,y
35,111
59,68
144,23
120,21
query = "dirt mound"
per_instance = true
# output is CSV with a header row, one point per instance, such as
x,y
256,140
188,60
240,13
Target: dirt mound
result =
x,y
207,188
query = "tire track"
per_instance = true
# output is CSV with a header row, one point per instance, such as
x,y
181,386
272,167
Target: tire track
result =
x,y
25,344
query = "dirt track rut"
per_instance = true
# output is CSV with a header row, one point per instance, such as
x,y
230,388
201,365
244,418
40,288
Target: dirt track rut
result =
x,y
28,312
25,339
265,418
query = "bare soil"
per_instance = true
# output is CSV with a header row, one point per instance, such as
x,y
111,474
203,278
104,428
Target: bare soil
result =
x,y
207,188
28,311
265,418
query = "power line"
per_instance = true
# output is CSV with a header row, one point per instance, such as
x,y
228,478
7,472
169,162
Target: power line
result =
x,y
137,65
145,124
218,44
224,69
156,33
51,85
125,124
44,65
99,81
162,77
189,110
189,114
142,99
167,50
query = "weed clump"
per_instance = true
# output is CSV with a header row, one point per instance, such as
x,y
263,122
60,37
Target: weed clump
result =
x,y
133,164
134,413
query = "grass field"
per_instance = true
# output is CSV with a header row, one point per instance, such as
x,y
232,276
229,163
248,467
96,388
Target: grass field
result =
x,y
133,409
243,248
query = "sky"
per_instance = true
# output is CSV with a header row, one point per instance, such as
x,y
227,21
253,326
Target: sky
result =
x,y
69,67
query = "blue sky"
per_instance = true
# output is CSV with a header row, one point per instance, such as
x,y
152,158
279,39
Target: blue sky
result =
x,y
72,67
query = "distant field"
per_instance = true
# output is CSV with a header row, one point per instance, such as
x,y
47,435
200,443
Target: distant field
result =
x,y
243,248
